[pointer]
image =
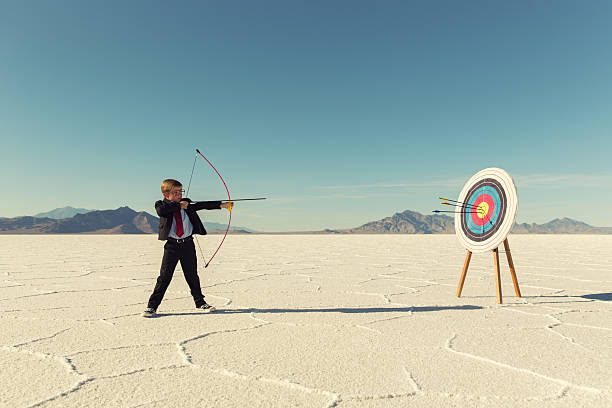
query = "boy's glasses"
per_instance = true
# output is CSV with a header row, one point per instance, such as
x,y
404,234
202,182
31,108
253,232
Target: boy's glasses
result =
x,y
177,192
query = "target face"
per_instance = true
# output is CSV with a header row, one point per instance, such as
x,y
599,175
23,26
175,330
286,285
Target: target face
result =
x,y
488,205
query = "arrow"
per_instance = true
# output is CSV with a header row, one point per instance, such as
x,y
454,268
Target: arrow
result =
x,y
456,212
454,201
243,199
238,199
459,205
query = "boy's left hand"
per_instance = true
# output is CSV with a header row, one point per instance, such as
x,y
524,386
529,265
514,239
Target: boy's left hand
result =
x,y
227,205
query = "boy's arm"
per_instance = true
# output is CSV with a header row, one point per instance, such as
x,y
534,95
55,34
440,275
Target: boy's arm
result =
x,y
205,205
166,208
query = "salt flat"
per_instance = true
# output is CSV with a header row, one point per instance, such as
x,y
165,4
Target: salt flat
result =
x,y
306,321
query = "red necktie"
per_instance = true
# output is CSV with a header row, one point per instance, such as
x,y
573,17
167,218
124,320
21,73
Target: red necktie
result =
x,y
178,222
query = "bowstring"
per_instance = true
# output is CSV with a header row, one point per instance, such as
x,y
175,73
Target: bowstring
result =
x,y
191,176
187,194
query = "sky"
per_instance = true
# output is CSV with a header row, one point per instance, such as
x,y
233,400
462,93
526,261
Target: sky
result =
x,y
339,112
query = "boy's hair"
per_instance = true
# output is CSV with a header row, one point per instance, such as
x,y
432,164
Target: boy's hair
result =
x,y
169,184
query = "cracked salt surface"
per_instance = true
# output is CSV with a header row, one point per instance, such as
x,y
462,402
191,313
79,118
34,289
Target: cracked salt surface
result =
x,y
311,321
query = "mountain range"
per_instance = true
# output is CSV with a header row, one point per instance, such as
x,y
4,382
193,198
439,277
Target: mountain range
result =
x,y
560,226
412,222
124,220
407,222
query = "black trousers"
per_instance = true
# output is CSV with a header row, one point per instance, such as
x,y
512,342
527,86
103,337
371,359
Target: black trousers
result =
x,y
173,253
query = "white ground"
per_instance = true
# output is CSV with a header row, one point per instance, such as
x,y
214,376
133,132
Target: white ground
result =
x,y
309,321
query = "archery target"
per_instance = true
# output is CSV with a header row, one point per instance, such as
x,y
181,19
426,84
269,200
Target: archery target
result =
x,y
487,210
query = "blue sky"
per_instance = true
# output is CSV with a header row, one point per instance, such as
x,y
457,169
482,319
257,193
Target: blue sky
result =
x,y
340,112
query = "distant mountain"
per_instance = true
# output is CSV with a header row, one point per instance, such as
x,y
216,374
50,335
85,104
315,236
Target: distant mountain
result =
x,y
560,226
123,220
407,222
412,222
64,212
215,226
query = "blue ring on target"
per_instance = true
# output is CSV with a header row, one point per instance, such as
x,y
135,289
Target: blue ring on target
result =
x,y
482,229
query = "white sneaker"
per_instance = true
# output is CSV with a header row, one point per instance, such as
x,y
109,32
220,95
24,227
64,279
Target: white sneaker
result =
x,y
206,308
149,312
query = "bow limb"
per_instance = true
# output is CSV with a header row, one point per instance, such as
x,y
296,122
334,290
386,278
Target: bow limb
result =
x,y
229,199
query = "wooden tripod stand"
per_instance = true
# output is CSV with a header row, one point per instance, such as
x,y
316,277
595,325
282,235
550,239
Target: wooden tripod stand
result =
x,y
497,277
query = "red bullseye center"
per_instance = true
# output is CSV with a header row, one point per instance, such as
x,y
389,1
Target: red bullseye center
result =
x,y
489,208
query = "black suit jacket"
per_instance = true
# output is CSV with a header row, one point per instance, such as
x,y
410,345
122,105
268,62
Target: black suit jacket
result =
x,y
166,208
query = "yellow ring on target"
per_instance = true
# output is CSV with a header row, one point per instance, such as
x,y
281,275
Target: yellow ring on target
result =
x,y
482,210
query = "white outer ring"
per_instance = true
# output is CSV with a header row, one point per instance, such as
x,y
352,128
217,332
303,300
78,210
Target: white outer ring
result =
x,y
512,206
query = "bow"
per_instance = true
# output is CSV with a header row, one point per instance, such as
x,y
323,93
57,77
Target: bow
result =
x,y
229,200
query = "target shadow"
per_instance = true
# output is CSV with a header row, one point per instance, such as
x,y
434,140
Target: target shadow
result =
x,y
605,297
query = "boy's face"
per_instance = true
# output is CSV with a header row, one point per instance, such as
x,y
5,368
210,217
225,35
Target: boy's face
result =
x,y
175,194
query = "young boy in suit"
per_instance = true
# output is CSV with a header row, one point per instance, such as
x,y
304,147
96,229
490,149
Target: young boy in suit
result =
x,y
178,221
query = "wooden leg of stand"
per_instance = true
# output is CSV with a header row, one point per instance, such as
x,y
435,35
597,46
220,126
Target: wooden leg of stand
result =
x,y
464,272
511,265
497,277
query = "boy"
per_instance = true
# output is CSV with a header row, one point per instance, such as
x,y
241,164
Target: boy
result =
x,y
178,220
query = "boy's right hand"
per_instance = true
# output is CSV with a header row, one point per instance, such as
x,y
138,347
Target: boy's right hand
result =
x,y
184,205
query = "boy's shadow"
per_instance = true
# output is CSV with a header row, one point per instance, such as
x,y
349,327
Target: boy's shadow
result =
x,y
355,310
